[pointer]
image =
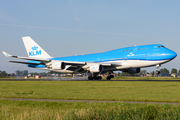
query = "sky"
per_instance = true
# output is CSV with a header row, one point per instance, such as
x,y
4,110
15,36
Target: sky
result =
x,y
72,27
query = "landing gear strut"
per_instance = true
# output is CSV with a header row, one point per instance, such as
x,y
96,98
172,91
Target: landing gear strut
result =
x,y
157,71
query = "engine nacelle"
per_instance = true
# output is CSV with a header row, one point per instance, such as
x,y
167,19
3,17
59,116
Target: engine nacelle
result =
x,y
58,65
133,70
96,68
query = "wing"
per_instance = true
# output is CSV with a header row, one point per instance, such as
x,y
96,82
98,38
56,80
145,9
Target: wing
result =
x,y
75,67
40,59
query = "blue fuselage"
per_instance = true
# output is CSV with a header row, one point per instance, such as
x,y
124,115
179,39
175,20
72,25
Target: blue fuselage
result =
x,y
154,52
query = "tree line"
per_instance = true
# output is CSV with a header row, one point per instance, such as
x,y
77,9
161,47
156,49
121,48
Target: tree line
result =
x,y
25,73
142,72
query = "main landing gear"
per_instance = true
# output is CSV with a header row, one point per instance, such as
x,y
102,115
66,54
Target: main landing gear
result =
x,y
109,76
157,71
94,77
97,77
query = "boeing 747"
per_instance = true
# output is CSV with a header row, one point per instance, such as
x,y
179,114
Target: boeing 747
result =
x,y
128,59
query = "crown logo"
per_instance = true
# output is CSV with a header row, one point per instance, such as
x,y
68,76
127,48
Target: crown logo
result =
x,y
34,48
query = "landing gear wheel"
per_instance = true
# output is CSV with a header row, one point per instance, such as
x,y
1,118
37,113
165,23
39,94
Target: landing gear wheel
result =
x,y
100,78
90,78
94,77
110,75
97,78
108,78
158,72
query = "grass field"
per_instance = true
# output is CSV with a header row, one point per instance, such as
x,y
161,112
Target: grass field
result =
x,y
92,90
27,110
89,90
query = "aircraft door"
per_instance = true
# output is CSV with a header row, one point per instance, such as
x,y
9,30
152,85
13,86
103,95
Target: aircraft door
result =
x,y
135,49
125,58
148,56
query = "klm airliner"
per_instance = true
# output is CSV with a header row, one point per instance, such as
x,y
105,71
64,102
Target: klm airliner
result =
x,y
128,59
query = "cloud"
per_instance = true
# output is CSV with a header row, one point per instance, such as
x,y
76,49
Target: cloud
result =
x,y
73,30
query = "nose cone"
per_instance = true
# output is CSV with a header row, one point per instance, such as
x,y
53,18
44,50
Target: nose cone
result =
x,y
173,54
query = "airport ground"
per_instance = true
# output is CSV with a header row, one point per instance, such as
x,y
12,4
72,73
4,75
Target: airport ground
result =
x,y
142,91
85,78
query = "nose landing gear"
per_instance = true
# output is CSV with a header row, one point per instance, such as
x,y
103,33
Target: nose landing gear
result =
x,y
157,71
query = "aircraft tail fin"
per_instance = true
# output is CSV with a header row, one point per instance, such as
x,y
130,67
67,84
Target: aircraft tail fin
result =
x,y
33,49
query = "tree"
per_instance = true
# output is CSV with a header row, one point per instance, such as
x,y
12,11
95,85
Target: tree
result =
x,y
164,70
3,73
173,70
17,72
125,74
25,73
179,71
161,70
143,72
152,73
118,74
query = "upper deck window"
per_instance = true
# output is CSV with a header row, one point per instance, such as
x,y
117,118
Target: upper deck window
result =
x,y
160,46
126,50
142,48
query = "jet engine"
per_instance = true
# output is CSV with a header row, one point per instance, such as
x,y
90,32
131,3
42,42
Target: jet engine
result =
x,y
58,65
96,68
133,70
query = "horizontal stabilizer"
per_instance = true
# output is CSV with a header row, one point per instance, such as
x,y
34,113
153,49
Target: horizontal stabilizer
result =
x,y
35,59
26,58
6,54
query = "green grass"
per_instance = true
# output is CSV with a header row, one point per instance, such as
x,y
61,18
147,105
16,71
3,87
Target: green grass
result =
x,y
92,90
145,78
26,110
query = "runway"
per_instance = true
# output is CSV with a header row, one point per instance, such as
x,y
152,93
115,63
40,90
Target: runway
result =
x,y
86,80
87,101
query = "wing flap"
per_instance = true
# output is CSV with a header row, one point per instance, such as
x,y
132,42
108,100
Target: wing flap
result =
x,y
111,64
74,63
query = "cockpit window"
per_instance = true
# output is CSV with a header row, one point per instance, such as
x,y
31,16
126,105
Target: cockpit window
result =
x,y
160,46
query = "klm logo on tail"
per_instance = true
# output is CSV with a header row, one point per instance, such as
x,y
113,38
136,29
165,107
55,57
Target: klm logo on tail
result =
x,y
35,51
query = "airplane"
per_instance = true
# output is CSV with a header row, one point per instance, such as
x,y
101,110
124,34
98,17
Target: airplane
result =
x,y
128,59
